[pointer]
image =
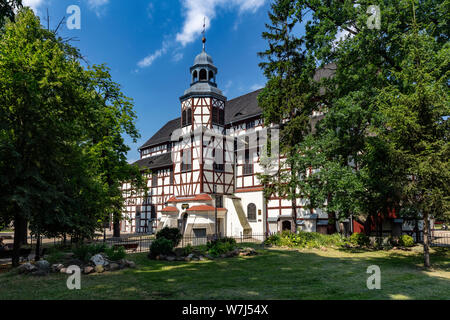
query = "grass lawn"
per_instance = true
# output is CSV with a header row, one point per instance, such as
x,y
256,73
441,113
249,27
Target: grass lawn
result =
x,y
273,274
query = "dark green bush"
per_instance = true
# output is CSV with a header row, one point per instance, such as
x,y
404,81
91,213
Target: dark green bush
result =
x,y
85,252
406,241
359,239
221,247
161,246
172,234
305,239
115,253
226,240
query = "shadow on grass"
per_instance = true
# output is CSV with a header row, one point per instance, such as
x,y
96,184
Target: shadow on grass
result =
x,y
273,274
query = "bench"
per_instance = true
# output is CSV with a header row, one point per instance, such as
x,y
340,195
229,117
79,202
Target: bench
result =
x,y
128,246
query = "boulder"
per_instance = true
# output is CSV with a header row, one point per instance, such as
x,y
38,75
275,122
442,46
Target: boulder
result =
x,y
210,257
63,270
131,264
99,268
170,258
187,259
88,270
57,267
201,258
99,260
26,268
114,267
43,265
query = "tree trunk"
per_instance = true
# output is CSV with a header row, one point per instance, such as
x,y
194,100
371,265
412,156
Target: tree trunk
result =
x,y
116,226
18,225
426,244
24,235
37,255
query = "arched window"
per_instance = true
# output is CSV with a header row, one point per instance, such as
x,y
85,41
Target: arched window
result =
x,y
203,75
194,76
251,212
183,118
211,75
189,116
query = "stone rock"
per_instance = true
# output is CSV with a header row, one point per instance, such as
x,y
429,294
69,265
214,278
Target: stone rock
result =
x,y
210,257
63,270
162,257
223,256
43,265
170,258
187,259
99,268
57,267
179,252
26,268
114,267
190,256
130,264
88,270
99,260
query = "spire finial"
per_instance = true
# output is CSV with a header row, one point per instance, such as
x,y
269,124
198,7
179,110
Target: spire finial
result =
x,y
203,32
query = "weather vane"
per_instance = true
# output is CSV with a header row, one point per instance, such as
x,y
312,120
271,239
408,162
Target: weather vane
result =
x,y
203,32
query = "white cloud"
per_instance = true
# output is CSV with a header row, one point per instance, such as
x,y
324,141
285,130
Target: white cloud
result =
x,y
33,4
256,86
197,10
148,60
97,5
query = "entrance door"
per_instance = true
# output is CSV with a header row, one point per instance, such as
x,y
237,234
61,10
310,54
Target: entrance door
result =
x,y
286,225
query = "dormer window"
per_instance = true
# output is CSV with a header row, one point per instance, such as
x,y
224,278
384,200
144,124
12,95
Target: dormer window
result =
x,y
194,76
211,76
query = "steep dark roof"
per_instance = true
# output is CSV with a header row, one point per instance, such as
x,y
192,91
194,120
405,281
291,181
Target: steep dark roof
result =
x,y
159,161
163,135
237,109
242,107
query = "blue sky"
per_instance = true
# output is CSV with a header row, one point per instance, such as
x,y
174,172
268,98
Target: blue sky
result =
x,y
150,45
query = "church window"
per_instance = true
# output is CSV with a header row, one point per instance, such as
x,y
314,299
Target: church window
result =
x,y
203,75
183,118
251,212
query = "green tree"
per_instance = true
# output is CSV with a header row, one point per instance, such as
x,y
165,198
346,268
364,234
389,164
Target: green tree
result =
x,y
363,169
61,126
288,94
7,10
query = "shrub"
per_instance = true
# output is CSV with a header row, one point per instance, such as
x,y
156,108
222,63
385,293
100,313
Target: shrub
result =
x,y
359,239
172,234
115,253
220,246
304,239
406,241
85,252
188,250
161,246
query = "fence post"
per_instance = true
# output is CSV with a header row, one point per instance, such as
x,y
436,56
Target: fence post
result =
x,y
241,237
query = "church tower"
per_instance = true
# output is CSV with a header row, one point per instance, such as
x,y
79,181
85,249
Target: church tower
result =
x,y
203,104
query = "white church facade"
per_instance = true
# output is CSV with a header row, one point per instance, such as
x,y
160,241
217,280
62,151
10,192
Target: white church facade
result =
x,y
204,168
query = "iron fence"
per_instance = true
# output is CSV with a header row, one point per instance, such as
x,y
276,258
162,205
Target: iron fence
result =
x,y
193,240
440,238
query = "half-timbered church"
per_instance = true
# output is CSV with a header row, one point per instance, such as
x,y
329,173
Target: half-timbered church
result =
x,y
202,168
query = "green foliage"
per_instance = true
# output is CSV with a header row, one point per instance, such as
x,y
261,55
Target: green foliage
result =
x,y
62,147
406,241
221,246
172,234
305,240
359,239
85,252
188,250
115,253
161,246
